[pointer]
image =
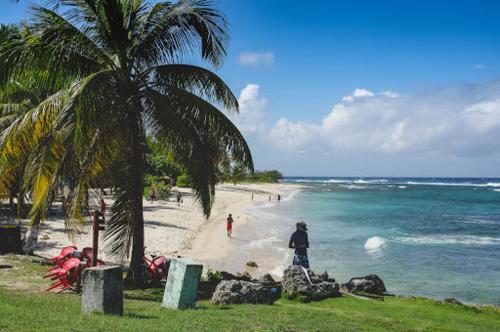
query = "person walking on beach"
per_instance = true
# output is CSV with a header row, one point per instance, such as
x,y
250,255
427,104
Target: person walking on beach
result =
x,y
279,197
300,242
229,225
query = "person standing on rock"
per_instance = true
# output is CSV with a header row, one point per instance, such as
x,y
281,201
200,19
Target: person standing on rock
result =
x,y
229,225
300,242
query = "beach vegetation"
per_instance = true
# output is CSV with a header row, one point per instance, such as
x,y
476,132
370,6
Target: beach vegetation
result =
x,y
156,188
184,181
115,73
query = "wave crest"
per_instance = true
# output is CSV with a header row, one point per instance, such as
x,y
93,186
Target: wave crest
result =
x,y
469,240
374,243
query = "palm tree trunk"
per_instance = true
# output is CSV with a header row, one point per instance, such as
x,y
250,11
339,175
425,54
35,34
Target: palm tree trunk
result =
x,y
20,200
136,271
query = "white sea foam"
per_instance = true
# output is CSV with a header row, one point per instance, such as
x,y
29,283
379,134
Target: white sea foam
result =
x,y
469,240
497,190
352,186
374,243
459,184
263,242
402,187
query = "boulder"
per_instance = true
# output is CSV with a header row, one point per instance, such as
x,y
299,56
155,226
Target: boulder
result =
x,y
267,279
229,276
296,283
252,264
452,300
238,291
370,284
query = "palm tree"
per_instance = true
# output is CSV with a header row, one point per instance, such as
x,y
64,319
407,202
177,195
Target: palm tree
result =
x,y
124,58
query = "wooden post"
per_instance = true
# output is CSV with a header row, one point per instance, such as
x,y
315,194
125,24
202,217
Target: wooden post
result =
x,y
95,237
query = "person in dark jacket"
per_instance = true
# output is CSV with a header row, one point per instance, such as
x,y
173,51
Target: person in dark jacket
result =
x,y
300,242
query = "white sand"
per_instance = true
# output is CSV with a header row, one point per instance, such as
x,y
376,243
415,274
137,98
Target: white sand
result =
x,y
171,230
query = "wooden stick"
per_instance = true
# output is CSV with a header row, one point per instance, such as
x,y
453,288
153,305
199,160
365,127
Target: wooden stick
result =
x,y
95,237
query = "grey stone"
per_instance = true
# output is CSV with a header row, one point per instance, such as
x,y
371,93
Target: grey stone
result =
x,y
296,283
182,284
103,290
370,284
452,300
238,292
267,279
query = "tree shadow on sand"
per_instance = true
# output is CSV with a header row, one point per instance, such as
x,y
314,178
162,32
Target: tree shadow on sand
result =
x,y
162,224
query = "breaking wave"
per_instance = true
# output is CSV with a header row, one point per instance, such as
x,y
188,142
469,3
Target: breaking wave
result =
x,y
374,243
469,240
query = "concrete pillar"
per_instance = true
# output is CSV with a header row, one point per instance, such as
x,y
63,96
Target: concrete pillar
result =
x,y
103,290
182,284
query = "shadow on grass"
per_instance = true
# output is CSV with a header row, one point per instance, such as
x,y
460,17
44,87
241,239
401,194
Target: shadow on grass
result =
x,y
138,316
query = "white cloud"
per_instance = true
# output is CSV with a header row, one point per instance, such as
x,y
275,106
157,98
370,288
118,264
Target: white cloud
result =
x,y
252,113
256,59
359,93
460,121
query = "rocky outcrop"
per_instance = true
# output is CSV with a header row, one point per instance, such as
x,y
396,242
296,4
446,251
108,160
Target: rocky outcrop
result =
x,y
238,292
239,276
452,300
267,279
295,283
369,284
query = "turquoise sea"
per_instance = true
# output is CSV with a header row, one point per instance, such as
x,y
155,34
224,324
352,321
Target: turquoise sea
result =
x,y
433,237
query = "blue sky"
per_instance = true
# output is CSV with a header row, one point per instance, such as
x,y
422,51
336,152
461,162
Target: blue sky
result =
x,y
365,88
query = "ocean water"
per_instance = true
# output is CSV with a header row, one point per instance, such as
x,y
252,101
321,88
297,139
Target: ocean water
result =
x,y
428,237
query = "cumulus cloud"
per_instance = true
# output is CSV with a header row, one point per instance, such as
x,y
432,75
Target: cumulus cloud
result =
x,y
460,121
252,113
256,59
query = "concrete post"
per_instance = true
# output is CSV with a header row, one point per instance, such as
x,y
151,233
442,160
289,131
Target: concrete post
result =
x,y
103,290
182,284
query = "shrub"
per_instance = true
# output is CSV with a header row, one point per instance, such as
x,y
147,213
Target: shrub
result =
x,y
183,180
158,186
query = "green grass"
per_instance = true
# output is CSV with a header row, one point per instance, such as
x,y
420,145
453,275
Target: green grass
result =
x,y
28,310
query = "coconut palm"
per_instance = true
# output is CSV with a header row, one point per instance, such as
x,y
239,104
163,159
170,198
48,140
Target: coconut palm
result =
x,y
124,59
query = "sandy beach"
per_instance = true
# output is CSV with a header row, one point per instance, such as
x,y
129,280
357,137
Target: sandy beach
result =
x,y
173,230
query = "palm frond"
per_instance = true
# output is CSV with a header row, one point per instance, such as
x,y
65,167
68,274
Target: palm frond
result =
x,y
172,32
196,80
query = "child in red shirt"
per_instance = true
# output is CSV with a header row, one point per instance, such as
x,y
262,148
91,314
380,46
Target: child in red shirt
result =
x,y
229,225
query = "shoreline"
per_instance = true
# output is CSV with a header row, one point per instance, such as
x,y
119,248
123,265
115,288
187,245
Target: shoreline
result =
x,y
172,230
247,243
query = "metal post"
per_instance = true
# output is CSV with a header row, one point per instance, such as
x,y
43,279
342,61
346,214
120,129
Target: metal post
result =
x,y
95,236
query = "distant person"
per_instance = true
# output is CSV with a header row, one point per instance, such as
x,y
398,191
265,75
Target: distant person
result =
x,y
300,242
103,208
152,195
229,225
279,197
252,196
179,199
269,197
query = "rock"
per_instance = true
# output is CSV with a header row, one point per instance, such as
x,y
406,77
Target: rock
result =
x,y
452,300
252,264
267,279
245,276
237,292
295,283
370,284
229,276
